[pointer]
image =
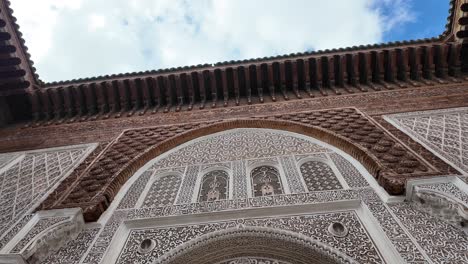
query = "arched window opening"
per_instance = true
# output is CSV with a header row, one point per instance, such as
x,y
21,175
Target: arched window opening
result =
x,y
163,191
318,176
266,181
214,186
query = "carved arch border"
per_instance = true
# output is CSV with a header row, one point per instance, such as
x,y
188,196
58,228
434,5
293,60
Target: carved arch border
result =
x,y
98,203
255,232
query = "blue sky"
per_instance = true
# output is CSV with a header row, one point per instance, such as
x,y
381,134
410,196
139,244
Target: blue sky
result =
x,y
71,39
430,17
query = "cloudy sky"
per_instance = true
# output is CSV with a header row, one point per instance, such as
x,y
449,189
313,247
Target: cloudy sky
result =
x,y
84,38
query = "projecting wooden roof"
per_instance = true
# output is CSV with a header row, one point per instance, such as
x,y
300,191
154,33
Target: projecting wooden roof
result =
x,y
359,69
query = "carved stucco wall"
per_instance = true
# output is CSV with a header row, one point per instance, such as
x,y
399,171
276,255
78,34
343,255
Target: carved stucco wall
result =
x,y
27,177
411,231
239,151
444,132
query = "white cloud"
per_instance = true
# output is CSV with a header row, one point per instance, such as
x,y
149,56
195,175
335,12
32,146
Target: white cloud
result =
x,y
85,38
96,22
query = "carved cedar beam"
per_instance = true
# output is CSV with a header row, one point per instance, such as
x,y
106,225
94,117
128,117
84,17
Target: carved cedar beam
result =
x,y
283,86
112,97
57,102
258,83
179,93
166,92
414,63
245,72
34,98
68,102
78,102
351,69
236,83
123,98
203,92
91,103
290,84
213,88
225,82
134,102
156,91
263,80
454,65
275,76
367,69
326,73
339,73
102,99
376,68
314,76
46,105
401,64
427,65
191,90
301,77
388,66
146,95
440,61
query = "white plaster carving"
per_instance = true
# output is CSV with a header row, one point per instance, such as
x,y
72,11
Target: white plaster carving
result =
x,y
441,198
444,132
27,181
45,233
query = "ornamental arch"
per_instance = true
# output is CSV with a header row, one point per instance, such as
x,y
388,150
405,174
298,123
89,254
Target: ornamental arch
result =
x,y
252,245
237,156
135,147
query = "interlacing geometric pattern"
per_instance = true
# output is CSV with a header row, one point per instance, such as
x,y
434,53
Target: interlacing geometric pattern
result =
x,y
318,176
214,186
26,182
356,244
443,131
7,158
239,144
163,191
266,181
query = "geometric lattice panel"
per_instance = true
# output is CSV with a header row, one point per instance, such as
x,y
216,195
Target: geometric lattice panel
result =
x,y
445,132
27,181
163,191
318,176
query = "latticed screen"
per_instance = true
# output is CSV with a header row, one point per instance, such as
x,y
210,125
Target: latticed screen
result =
x,y
163,191
318,176
266,181
214,186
